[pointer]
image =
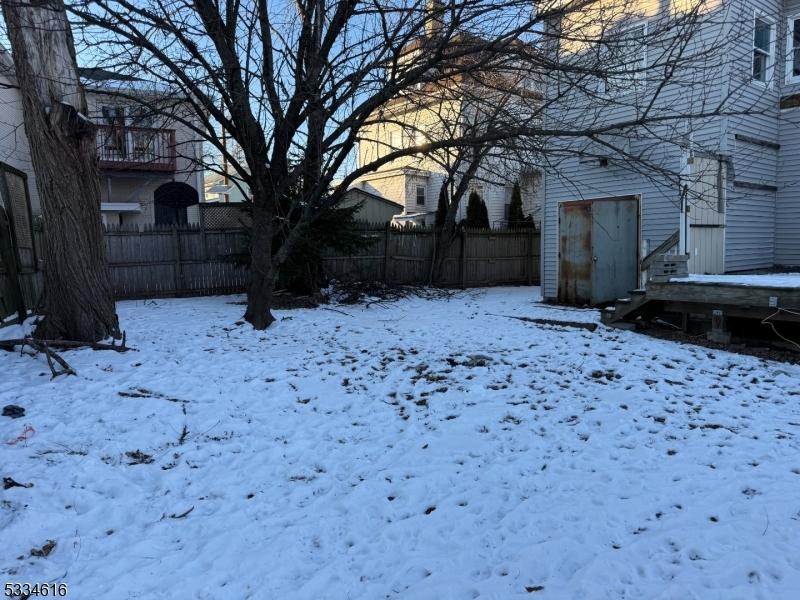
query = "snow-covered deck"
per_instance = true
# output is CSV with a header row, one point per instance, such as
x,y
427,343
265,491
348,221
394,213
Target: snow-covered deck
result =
x,y
771,280
458,454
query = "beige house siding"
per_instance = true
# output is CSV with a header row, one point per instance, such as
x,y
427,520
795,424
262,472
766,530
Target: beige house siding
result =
x,y
139,186
398,179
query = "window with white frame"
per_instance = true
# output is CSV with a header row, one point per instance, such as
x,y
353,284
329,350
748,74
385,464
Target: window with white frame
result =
x,y
625,56
763,49
420,195
793,50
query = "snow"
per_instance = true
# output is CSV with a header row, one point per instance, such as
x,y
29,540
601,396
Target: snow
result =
x,y
777,280
420,449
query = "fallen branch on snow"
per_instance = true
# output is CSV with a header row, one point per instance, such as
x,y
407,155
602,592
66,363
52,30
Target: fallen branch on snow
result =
x,y
9,483
578,324
180,516
66,344
42,347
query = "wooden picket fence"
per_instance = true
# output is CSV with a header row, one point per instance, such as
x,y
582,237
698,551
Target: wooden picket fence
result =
x,y
194,261
478,257
175,261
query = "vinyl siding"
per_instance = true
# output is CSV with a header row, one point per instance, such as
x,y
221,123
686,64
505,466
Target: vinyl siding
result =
x,y
762,226
654,176
14,149
787,223
659,206
787,227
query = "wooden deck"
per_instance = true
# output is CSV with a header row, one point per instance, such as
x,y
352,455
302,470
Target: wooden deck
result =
x,y
688,297
742,301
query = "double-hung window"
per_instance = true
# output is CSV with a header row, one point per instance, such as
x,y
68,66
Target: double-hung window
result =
x,y
624,58
763,49
420,195
793,50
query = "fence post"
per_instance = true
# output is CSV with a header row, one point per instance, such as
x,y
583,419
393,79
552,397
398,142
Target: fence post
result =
x,y
178,264
463,258
203,233
530,256
386,233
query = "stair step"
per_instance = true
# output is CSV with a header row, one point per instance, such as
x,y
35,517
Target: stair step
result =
x,y
637,292
623,300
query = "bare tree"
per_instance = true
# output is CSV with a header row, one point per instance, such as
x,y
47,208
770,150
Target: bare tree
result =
x,y
78,302
303,80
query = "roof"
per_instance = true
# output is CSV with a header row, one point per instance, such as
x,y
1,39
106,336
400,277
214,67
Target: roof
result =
x,y
97,74
373,196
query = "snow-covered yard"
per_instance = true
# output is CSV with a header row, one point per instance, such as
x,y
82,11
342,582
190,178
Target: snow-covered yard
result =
x,y
425,449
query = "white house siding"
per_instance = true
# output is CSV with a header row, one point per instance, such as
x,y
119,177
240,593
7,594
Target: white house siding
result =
x,y
787,223
572,179
659,207
14,149
787,227
762,226
751,213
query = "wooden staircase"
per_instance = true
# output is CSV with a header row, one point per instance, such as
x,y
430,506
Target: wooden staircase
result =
x,y
625,308
662,268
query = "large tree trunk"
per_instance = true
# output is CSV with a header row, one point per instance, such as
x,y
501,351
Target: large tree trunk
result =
x,y
78,300
262,271
444,239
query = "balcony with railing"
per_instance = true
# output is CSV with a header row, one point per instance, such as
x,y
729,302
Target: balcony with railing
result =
x,y
129,148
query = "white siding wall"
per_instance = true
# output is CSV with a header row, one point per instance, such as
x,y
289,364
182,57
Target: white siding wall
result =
x,y
751,213
659,209
787,223
14,149
762,227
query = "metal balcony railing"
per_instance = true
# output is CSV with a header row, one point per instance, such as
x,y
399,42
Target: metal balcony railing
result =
x,y
135,148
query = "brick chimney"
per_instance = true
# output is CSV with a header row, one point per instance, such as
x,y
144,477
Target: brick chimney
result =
x,y
434,18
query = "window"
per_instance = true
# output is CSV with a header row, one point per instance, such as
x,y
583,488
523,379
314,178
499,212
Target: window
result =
x,y
421,195
626,56
763,49
793,50
14,198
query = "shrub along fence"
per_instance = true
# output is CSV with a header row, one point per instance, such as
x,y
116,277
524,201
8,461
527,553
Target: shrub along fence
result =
x,y
193,261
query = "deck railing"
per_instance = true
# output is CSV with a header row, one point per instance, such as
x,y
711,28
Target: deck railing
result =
x,y
135,148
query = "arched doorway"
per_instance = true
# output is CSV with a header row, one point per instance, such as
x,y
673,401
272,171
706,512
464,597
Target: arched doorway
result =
x,y
171,201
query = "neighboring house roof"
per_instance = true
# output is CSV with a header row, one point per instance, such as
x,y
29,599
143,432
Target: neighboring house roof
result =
x,y
376,197
390,171
97,74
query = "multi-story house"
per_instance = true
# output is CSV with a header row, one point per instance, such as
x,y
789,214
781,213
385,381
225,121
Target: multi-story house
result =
x,y
450,108
728,194
148,162
148,172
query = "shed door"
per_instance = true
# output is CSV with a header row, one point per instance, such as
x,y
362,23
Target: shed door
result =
x,y
705,201
615,248
599,249
575,252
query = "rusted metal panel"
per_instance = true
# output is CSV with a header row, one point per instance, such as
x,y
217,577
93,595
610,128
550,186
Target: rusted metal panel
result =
x,y
575,252
598,249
